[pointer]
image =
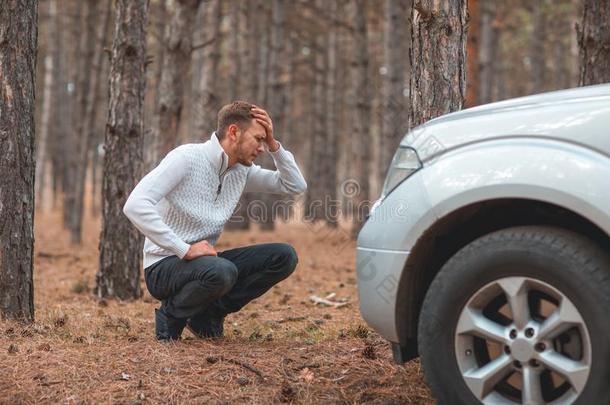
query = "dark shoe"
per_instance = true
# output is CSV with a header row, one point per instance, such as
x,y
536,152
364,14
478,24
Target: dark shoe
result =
x,y
206,325
167,327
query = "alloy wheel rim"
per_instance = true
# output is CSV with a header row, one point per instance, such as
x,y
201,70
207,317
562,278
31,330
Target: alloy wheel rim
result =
x,y
520,340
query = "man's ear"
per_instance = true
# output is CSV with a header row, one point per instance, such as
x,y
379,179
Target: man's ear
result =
x,y
232,132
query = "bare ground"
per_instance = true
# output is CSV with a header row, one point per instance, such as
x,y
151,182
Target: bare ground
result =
x,y
279,348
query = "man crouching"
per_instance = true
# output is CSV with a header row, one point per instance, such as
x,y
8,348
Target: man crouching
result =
x,y
182,206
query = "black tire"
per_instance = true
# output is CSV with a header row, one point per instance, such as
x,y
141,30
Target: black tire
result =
x,y
567,261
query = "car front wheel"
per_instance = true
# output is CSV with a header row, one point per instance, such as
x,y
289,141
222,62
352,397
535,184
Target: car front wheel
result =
x,y
521,315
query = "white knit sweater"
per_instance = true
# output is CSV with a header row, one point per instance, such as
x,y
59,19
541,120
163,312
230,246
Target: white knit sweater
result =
x,y
191,194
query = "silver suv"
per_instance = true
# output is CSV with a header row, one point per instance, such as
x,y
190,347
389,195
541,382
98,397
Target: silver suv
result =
x,y
487,254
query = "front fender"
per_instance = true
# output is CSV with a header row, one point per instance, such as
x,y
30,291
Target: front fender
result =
x,y
560,173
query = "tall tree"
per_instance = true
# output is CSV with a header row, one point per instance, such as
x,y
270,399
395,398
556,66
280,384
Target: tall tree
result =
x,y
486,52
472,45
331,102
394,116
276,90
100,119
78,139
61,110
95,52
438,57
76,69
594,43
276,99
207,97
176,60
360,105
538,58
158,17
318,138
360,109
47,98
235,45
246,88
269,23
18,36
120,242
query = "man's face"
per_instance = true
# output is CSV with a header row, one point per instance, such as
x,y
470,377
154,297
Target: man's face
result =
x,y
251,143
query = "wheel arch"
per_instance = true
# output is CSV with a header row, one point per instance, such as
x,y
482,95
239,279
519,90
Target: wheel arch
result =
x,y
463,225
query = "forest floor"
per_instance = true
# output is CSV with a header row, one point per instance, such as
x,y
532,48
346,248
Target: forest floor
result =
x,y
279,348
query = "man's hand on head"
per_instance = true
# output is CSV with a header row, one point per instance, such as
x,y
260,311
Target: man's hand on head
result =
x,y
201,248
262,117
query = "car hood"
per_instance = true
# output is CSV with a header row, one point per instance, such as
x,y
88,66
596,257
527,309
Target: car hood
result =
x,y
580,116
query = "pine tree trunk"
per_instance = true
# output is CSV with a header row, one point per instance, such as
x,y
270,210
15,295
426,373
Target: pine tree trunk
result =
x,y
560,36
18,36
235,50
207,97
538,52
291,61
395,115
264,47
276,100
59,119
276,95
245,90
120,242
485,53
252,53
79,138
594,42
101,115
176,59
472,44
96,51
576,12
344,116
360,99
496,60
72,119
331,101
315,207
42,165
152,139
499,91
438,57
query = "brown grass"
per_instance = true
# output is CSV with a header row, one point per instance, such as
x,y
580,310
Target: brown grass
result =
x,y
280,348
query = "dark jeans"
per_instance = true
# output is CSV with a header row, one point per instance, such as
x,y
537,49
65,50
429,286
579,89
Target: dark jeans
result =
x,y
218,284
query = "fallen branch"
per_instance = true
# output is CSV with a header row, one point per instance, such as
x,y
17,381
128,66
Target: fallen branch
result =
x,y
238,363
323,301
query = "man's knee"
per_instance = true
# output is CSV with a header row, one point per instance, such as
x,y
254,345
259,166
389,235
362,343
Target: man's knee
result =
x,y
223,274
287,257
219,273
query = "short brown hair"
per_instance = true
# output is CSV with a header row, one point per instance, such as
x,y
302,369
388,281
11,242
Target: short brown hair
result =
x,y
238,112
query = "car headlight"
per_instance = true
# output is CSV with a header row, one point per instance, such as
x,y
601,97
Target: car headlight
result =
x,y
404,163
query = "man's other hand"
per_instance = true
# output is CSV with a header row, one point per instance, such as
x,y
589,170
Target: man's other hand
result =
x,y
201,248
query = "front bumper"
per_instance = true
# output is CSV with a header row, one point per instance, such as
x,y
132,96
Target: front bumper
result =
x,y
378,276
383,248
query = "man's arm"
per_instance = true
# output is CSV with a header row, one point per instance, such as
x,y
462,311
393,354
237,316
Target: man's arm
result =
x,y
287,179
140,206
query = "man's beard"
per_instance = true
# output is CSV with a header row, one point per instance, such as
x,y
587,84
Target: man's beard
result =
x,y
240,156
